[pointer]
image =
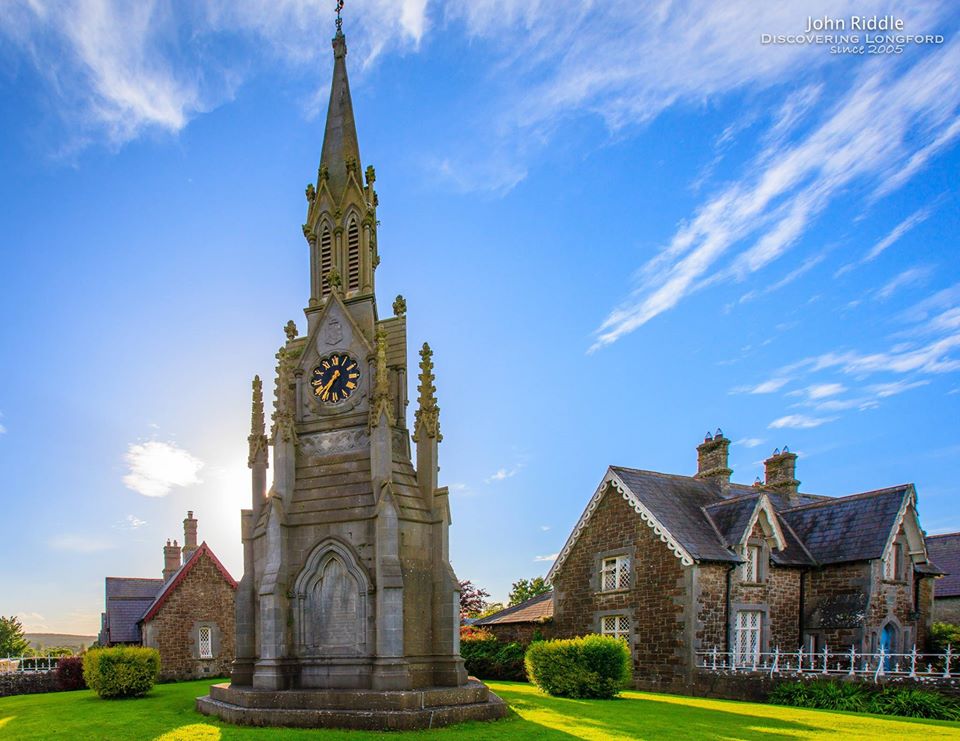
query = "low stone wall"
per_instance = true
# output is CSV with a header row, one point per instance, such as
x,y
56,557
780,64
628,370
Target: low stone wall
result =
x,y
28,683
756,687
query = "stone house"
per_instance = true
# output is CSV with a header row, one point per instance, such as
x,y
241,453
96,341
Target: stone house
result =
x,y
524,622
678,565
944,551
187,615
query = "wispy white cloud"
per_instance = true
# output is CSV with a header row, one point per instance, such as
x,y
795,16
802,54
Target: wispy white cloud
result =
x,y
116,70
799,422
750,442
823,390
914,219
884,390
906,278
132,522
504,473
79,544
551,557
544,528
770,386
157,467
868,136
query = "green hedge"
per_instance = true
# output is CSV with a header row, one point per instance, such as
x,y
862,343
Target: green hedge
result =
x,y
592,666
488,658
838,695
122,671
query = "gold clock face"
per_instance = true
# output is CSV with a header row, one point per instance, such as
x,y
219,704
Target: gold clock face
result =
x,y
335,378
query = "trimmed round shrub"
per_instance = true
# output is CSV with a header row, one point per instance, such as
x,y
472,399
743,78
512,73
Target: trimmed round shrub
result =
x,y
70,673
593,666
122,671
914,703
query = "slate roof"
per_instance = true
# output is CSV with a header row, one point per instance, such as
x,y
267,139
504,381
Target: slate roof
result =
x,y
534,610
708,520
944,551
127,598
852,528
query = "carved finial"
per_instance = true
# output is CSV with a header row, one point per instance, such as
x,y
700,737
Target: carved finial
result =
x,y
399,306
310,192
339,19
380,402
284,399
258,437
371,175
333,280
351,163
323,174
290,328
427,417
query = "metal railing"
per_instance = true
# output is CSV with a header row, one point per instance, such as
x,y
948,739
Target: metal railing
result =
x,y
847,662
28,664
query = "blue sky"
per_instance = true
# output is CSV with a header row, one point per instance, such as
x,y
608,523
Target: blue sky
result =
x,y
618,224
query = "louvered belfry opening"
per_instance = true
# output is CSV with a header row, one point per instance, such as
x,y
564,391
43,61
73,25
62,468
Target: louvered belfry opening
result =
x,y
326,259
353,256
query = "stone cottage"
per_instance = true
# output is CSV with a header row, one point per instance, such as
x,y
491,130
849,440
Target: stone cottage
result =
x,y
944,551
524,622
187,615
678,565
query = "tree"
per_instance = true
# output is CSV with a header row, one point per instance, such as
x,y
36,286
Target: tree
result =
x,y
525,589
472,599
490,609
12,641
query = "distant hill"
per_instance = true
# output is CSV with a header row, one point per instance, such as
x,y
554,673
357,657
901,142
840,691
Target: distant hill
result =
x,y
49,640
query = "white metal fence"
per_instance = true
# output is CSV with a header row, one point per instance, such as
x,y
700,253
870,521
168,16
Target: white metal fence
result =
x,y
27,664
848,662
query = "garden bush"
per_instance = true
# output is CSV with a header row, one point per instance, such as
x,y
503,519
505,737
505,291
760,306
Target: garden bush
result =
x,y
914,703
122,671
853,696
487,658
943,635
589,667
70,673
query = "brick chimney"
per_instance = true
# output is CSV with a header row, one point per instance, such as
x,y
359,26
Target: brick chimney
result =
x,y
171,559
781,468
189,536
712,458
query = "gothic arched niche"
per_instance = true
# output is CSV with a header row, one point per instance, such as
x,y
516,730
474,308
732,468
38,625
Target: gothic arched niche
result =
x,y
330,613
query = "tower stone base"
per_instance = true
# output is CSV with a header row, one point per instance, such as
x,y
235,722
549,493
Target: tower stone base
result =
x,y
390,710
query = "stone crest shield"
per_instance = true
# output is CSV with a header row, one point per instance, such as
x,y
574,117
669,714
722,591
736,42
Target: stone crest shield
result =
x,y
333,333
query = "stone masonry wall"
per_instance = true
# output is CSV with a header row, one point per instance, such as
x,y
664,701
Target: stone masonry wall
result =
x,y
828,582
204,597
522,632
945,609
711,631
654,602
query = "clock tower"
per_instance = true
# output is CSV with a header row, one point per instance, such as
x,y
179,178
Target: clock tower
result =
x,y
347,582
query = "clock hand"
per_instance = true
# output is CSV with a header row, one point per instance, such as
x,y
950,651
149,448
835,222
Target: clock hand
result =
x,y
326,389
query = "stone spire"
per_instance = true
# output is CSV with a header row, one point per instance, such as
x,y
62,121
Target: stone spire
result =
x,y
258,432
380,401
427,418
341,150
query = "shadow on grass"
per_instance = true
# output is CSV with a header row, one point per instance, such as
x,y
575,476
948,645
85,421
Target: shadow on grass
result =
x,y
637,718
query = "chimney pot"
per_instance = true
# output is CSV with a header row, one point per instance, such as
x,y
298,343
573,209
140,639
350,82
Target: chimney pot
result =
x,y
189,536
780,472
712,455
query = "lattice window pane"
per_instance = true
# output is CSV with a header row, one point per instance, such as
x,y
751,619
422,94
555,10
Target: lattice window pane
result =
x,y
206,642
750,569
748,627
615,573
617,626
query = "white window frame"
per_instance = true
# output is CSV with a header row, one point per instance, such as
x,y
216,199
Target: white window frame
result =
x,y
205,651
614,573
617,626
748,633
750,569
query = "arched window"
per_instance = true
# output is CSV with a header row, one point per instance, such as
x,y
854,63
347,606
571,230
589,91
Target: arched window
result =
x,y
353,256
326,258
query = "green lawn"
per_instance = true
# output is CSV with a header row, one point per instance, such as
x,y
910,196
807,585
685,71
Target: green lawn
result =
x,y
167,714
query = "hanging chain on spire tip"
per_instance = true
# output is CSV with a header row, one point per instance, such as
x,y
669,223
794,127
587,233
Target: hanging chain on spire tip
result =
x,y
339,19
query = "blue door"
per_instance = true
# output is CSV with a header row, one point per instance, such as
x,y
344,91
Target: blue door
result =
x,y
888,640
